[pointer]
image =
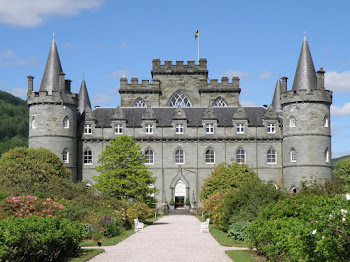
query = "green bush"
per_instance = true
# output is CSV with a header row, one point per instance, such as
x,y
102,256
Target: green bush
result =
x,y
139,210
110,226
38,238
238,231
213,208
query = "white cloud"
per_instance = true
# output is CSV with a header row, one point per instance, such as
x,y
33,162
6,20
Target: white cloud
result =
x,y
241,75
247,103
19,92
265,75
25,13
8,58
101,99
123,45
338,82
340,111
119,74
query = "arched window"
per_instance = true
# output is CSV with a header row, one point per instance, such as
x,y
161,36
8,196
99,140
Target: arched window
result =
x,y
139,102
271,156
149,156
240,156
87,157
210,156
179,156
326,155
293,155
292,122
65,156
325,121
220,102
33,123
66,122
179,99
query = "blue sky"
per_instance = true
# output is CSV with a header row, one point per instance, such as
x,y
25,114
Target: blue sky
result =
x,y
105,39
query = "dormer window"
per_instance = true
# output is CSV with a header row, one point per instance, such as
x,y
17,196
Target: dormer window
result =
x,y
66,122
209,128
240,128
271,128
292,122
179,128
87,129
149,129
118,129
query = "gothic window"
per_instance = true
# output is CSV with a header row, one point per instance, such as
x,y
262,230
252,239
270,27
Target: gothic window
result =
x,y
209,128
149,156
118,129
325,121
271,128
87,157
179,128
179,156
220,102
65,156
149,129
33,123
179,99
210,156
139,102
66,122
292,122
240,128
240,156
326,155
293,155
87,129
271,156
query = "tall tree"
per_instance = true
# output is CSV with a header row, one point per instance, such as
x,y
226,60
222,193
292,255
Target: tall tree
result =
x,y
123,173
342,172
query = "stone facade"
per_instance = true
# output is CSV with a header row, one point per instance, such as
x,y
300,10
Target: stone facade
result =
x,y
187,125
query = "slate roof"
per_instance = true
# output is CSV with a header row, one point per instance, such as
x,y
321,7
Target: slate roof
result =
x,y
194,115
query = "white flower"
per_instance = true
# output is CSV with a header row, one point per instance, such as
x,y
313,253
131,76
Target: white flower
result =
x,y
314,232
343,218
347,196
343,211
330,216
322,236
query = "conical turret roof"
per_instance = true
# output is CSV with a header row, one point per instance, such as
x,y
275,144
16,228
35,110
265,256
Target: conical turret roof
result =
x,y
84,99
53,69
276,102
305,75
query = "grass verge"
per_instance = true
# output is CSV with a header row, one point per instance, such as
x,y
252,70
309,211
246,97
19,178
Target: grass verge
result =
x,y
240,256
221,236
83,255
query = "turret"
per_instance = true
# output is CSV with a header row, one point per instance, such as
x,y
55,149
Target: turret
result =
x,y
306,129
53,113
84,99
276,101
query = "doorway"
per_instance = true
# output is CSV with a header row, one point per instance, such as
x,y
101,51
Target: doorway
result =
x,y
180,194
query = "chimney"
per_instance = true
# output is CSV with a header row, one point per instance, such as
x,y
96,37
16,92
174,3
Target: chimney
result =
x,y
284,84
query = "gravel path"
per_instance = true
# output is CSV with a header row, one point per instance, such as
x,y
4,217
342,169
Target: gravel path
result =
x,y
171,238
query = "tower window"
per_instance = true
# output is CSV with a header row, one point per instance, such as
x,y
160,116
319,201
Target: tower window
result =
x,y
210,156
271,156
326,155
209,128
149,156
240,128
271,128
293,155
325,121
292,122
33,123
179,99
118,129
240,156
87,157
179,128
139,102
87,129
65,156
179,156
149,129
66,122
220,102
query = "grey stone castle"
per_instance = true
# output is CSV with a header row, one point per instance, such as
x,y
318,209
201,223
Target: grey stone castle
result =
x,y
188,124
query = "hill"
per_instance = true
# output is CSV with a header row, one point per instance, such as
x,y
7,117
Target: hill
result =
x,y
14,117
335,160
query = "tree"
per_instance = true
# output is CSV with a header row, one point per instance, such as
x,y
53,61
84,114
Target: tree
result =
x,y
123,173
342,172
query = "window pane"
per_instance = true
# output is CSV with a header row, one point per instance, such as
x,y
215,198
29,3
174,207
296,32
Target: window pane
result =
x,y
179,156
240,156
179,99
210,156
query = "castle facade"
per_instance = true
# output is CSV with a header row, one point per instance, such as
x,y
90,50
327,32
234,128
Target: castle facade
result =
x,y
187,124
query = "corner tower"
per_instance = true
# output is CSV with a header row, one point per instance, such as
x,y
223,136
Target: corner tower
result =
x,y
306,128
53,113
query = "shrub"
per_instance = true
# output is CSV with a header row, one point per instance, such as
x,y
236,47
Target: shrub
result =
x,y
238,231
213,208
38,238
139,210
110,226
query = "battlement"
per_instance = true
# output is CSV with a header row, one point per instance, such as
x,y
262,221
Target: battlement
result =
x,y
168,68
315,95
224,86
134,85
43,97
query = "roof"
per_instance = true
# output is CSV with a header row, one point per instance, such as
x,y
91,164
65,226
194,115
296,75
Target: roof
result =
x,y
164,115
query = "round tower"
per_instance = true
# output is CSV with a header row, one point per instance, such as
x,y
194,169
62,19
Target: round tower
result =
x,y
306,125
53,113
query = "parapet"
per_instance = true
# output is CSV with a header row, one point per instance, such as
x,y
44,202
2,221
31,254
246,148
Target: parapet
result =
x,y
315,95
168,68
224,86
57,97
135,86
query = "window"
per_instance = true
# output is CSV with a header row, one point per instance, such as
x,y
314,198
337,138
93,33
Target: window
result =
x,y
240,128
271,156
139,102
326,155
149,129
209,128
33,123
240,156
179,128
325,121
292,122
210,156
65,156
118,129
149,156
66,122
293,155
179,156
220,102
87,129
271,128
87,157
179,99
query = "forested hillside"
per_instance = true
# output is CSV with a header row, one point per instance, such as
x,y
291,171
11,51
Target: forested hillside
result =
x,y
13,122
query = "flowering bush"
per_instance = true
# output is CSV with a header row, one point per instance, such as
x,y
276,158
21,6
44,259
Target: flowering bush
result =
x,y
24,206
110,226
139,210
213,208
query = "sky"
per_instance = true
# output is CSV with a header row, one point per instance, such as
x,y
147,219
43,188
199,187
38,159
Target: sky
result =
x,y
103,40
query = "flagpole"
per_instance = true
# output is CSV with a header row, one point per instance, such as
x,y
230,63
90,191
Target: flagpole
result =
x,y
198,48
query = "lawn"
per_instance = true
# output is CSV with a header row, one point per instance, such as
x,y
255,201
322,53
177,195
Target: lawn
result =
x,y
241,256
83,255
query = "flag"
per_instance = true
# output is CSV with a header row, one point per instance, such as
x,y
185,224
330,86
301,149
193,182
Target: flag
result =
x,y
196,35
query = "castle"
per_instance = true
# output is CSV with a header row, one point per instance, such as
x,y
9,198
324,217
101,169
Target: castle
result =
x,y
187,124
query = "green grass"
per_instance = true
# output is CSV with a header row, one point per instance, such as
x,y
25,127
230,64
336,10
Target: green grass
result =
x,y
83,255
221,236
240,256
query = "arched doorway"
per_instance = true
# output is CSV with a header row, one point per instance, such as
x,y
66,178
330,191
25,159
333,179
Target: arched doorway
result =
x,y
180,194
